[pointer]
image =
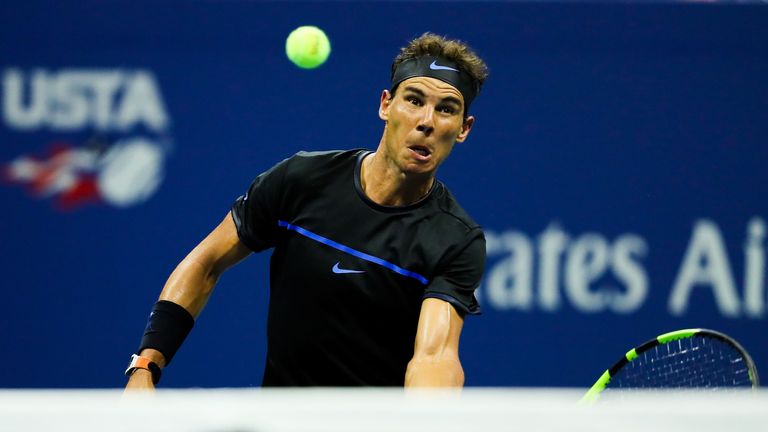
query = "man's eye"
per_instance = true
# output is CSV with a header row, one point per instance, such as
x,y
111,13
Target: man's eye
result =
x,y
447,110
413,100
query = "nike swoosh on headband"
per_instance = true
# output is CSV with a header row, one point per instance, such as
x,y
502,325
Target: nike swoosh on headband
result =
x,y
435,66
339,270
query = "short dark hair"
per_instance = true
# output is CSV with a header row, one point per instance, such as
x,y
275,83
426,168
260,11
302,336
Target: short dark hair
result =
x,y
451,49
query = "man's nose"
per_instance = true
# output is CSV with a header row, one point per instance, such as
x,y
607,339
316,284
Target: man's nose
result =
x,y
426,124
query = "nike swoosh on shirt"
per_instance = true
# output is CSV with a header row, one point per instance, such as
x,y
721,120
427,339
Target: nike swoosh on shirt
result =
x,y
435,66
355,253
339,270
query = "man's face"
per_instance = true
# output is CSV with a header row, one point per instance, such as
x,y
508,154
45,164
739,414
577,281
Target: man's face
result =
x,y
424,120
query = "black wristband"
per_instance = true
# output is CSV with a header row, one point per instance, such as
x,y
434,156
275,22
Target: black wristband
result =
x,y
167,327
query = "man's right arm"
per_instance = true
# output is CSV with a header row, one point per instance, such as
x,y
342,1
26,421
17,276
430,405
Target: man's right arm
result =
x,y
192,282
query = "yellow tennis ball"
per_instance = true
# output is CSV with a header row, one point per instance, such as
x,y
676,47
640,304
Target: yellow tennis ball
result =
x,y
307,47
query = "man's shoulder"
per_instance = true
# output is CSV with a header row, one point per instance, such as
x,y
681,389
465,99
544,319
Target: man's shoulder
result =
x,y
450,207
314,158
316,167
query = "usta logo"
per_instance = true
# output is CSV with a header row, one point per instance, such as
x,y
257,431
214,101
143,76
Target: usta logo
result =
x,y
124,105
71,99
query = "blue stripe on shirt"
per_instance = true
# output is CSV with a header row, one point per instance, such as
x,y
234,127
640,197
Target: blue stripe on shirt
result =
x,y
353,252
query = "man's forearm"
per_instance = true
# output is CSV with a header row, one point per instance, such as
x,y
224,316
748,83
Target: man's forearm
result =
x,y
190,285
187,289
192,282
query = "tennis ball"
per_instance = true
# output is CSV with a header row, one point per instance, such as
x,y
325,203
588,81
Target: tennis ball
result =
x,y
307,47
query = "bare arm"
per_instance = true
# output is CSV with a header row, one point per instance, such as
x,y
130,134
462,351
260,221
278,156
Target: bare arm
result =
x,y
192,282
435,361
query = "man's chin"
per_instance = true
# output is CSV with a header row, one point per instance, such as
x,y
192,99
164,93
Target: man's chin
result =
x,y
426,171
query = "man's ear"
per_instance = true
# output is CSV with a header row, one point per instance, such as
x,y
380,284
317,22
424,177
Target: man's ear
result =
x,y
465,128
384,104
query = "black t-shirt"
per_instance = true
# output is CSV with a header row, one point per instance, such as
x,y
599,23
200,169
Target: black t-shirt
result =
x,y
347,276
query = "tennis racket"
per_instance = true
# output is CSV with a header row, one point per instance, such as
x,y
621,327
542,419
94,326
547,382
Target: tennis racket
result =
x,y
690,358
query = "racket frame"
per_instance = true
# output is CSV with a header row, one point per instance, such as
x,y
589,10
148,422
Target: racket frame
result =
x,y
594,392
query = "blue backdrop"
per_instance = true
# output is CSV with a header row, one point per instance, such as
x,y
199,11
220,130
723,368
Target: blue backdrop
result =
x,y
617,165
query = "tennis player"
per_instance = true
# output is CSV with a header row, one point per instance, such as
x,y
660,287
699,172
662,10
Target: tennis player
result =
x,y
374,263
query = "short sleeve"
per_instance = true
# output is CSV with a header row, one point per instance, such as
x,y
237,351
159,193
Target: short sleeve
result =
x,y
256,213
456,284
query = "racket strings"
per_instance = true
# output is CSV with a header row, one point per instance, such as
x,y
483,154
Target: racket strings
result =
x,y
695,362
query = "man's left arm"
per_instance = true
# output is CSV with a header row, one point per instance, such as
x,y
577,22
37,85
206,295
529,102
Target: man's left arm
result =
x,y
435,361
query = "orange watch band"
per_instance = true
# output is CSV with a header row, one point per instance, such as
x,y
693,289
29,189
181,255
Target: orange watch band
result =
x,y
139,362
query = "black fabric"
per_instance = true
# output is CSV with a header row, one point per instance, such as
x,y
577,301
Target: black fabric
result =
x,y
156,372
439,68
167,327
355,325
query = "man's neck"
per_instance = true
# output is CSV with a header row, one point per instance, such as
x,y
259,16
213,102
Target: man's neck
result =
x,y
385,184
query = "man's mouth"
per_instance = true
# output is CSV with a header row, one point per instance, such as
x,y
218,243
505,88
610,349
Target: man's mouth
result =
x,y
422,151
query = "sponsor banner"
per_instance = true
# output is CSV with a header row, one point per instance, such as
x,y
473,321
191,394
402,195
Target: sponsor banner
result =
x,y
122,170
592,274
